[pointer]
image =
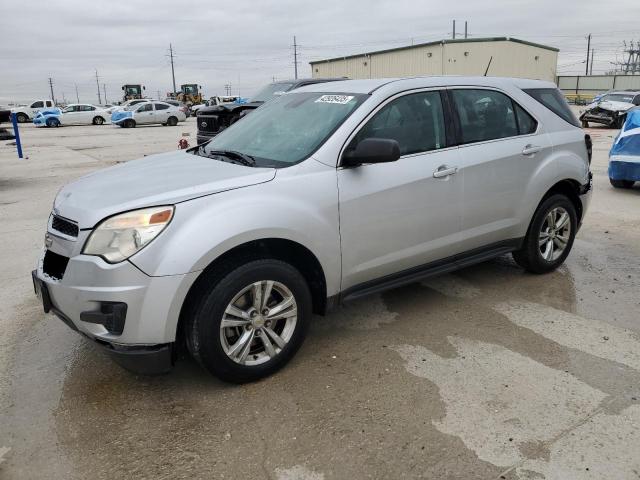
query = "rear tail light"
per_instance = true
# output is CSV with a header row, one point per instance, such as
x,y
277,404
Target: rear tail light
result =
x,y
589,144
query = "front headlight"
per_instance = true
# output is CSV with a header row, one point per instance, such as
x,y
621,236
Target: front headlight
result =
x,y
117,238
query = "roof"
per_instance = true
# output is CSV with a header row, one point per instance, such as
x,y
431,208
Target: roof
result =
x,y
367,86
441,42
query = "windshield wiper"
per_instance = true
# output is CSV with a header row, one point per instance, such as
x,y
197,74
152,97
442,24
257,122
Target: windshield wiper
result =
x,y
239,157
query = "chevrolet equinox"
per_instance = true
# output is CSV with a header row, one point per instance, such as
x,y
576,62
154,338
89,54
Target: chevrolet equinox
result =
x,y
323,195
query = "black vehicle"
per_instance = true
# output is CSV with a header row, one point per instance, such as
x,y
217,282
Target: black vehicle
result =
x,y
212,120
5,115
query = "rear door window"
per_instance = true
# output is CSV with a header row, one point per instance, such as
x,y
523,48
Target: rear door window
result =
x,y
415,121
554,100
484,115
526,123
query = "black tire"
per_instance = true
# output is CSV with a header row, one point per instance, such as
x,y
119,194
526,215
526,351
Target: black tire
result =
x,y
621,183
172,121
98,120
22,118
129,123
213,295
619,121
53,122
530,256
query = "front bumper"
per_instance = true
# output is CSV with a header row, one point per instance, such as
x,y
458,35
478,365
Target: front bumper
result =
x,y
141,359
144,336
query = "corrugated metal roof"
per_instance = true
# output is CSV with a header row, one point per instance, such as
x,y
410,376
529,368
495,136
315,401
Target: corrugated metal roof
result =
x,y
440,42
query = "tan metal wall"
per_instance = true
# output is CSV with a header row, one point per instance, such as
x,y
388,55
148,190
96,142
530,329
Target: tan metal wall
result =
x,y
509,59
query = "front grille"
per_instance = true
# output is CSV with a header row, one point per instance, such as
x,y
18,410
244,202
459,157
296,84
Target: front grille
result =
x,y
65,226
54,265
207,123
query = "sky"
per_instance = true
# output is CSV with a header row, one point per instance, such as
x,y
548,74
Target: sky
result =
x,y
248,43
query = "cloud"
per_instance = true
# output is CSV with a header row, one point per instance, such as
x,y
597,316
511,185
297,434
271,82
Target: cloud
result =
x,y
248,43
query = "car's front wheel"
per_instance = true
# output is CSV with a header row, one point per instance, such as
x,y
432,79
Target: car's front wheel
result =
x,y
172,121
249,320
550,236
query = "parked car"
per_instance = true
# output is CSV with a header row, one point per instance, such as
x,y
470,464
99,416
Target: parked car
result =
x,y
25,113
130,103
610,109
325,194
5,115
74,114
212,120
145,113
181,105
624,156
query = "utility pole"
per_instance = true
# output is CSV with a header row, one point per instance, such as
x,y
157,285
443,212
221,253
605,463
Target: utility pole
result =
x,y
98,84
158,94
104,89
51,88
593,51
586,71
77,96
454,29
295,58
465,29
173,73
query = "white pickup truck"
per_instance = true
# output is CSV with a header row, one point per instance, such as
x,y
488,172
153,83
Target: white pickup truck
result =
x,y
25,113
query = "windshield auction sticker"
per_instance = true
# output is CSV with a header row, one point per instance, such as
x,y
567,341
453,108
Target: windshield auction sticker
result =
x,y
340,99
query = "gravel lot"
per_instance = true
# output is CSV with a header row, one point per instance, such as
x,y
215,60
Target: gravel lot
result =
x,y
485,373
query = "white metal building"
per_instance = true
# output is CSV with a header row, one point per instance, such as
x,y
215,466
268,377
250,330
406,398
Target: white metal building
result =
x,y
504,57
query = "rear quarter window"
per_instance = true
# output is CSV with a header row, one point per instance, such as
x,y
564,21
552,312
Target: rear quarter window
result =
x,y
554,100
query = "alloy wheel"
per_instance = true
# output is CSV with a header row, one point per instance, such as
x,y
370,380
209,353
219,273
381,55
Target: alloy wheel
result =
x,y
554,234
258,322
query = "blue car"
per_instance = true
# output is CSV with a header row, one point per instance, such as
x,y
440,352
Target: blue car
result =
x,y
48,118
624,157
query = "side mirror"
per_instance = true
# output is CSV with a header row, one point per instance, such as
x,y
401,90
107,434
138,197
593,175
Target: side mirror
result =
x,y
372,150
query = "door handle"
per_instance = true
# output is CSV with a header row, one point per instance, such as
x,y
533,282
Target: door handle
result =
x,y
444,171
531,149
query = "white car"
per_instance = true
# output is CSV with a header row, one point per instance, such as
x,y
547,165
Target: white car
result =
x,y
148,113
74,114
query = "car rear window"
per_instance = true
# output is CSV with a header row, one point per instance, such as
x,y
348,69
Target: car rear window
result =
x,y
553,99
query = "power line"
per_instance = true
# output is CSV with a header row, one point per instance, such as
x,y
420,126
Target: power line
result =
x,y
173,74
295,58
51,87
98,85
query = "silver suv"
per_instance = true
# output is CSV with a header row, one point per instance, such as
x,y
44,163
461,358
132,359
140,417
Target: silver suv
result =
x,y
326,194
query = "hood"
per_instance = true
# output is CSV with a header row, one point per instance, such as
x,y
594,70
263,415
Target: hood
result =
x,y
121,115
228,108
162,179
611,106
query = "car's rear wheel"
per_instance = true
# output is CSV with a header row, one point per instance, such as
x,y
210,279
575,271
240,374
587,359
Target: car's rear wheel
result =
x,y
550,236
98,120
250,320
172,121
621,183
22,117
53,122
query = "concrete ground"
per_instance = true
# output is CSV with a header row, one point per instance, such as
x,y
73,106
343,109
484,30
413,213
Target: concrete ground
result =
x,y
485,373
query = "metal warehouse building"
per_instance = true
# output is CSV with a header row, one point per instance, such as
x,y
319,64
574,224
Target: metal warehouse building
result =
x,y
504,57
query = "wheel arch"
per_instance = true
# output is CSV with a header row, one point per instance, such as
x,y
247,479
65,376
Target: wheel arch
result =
x,y
569,188
292,252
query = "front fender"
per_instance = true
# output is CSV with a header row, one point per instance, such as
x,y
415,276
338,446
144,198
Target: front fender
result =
x,y
301,208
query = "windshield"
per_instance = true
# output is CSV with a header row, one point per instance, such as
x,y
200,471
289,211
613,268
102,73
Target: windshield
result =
x,y
271,90
287,129
617,97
